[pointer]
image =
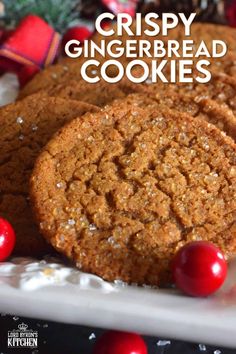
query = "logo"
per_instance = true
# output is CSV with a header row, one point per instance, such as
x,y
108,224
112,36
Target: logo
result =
x,y
22,337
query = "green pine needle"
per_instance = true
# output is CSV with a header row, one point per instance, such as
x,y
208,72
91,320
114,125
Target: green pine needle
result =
x,y
58,13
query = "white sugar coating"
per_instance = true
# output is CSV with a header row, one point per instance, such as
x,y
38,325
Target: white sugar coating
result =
x,y
71,222
54,76
19,120
59,185
92,336
116,245
163,343
111,240
34,127
21,137
149,81
90,138
92,227
217,351
202,347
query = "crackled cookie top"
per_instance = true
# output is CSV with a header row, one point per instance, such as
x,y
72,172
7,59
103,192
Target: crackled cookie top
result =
x,y
53,75
121,190
26,127
199,106
63,73
99,94
221,88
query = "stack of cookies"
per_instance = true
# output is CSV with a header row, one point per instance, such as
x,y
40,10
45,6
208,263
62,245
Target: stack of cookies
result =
x,y
121,176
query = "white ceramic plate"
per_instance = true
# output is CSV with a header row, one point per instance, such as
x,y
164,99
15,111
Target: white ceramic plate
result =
x,y
51,290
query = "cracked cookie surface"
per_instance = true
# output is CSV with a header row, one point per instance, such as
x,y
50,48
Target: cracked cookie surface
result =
x,y
199,106
221,88
26,127
62,73
99,94
120,191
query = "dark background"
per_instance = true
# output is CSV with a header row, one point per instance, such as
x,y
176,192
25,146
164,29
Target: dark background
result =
x,y
59,338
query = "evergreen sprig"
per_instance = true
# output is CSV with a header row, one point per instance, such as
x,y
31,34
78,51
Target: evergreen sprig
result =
x,y
58,13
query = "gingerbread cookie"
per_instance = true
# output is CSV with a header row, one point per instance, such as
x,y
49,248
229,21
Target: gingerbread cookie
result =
x,y
226,65
61,74
26,127
221,88
98,94
213,101
196,106
208,31
120,191
51,77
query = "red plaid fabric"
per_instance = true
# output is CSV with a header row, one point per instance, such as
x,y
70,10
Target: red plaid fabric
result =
x,y
32,46
33,42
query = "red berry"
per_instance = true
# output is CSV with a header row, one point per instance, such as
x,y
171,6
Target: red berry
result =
x,y
199,268
78,33
106,25
114,342
7,239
